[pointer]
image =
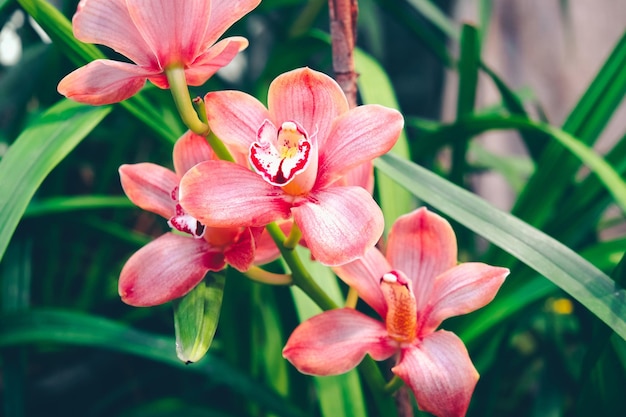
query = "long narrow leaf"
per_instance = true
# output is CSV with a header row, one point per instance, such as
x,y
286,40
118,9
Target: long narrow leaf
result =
x,y
65,328
562,266
35,153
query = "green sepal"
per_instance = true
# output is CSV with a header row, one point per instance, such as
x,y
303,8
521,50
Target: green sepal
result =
x,y
195,318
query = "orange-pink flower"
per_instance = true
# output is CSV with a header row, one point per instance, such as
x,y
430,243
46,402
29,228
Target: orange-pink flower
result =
x,y
413,289
154,35
173,264
301,147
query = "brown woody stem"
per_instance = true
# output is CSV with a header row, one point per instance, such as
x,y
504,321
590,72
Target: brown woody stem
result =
x,y
343,14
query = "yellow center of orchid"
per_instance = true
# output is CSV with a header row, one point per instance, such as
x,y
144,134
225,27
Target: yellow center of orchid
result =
x,y
401,320
288,139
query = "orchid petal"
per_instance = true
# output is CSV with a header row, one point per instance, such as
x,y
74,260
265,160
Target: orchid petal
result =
x,y
440,373
361,175
266,249
235,117
213,59
463,289
173,29
364,276
166,268
357,137
223,15
104,82
336,341
150,187
240,254
339,223
308,97
107,22
224,194
422,245
189,150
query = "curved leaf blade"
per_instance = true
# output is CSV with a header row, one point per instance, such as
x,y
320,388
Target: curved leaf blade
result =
x,y
35,153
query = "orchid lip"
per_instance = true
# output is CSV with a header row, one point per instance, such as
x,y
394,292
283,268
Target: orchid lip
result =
x,y
279,155
401,320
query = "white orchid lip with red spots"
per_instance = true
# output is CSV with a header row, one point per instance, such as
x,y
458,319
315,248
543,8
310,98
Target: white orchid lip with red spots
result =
x,y
184,222
280,155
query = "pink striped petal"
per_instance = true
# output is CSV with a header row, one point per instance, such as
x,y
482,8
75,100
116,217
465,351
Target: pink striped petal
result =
x,y
223,15
240,255
440,373
213,59
339,224
364,276
308,97
357,137
189,150
266,250
150,187
336,341
235,117
166,268
224,194
362,175
422,245
463,289
174,30
108,22
103,82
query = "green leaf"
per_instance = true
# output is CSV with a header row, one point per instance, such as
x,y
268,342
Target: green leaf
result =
x,y
43,144
605,173
553,260
436,17
72,328
375,87
59,205
585,122
196,316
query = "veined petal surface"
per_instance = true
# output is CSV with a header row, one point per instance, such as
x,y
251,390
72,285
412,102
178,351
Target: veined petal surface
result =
x,y
235,117
339,223
364,276
103,82
223,15
440,373
189,150
422,245
166,268
224,194
308,97
357,137
150,187
336,341
216,57
463,289
108,22
174,29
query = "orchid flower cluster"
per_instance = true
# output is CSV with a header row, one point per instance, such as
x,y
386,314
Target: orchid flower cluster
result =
x,y
303,164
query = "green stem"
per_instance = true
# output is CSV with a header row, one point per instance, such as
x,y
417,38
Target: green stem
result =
x,y
376,383
180,93
294,237
393,385
261,275
219,148
352,298
300,275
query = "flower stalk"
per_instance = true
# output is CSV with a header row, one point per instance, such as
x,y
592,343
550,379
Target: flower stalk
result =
x,y
182,99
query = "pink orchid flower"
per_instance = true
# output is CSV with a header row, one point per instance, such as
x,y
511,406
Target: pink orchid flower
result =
x,y
173,264
414,288
155,35
300,148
